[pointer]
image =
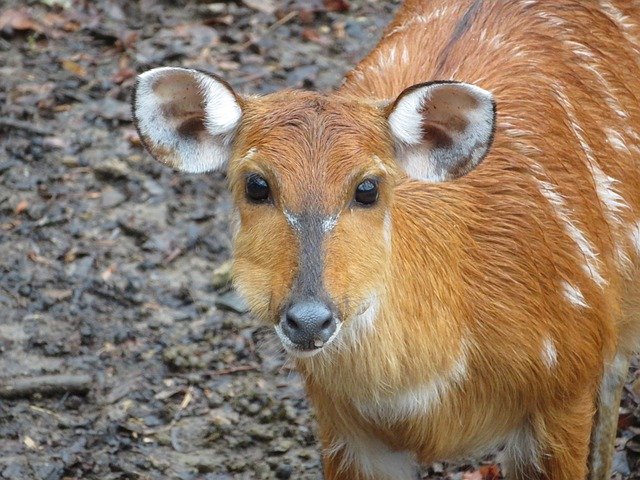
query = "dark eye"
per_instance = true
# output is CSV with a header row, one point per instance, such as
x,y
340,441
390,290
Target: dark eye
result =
x,y
367,192
257,188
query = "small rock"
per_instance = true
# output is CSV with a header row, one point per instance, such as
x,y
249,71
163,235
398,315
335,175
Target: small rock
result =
x,y
261,432
620,463
112,169
70,161
284,471
112,198
153,187
280,446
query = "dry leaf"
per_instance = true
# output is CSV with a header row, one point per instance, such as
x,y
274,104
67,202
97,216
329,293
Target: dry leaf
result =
x,y
58,294
21,207
30,443
106,275
486,472
311,35
336,5
18,20
74,68
264,6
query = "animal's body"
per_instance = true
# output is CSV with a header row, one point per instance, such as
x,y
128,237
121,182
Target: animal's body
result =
x,y
439,306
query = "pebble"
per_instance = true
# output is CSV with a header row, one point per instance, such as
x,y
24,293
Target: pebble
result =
x,y
283,471
112,198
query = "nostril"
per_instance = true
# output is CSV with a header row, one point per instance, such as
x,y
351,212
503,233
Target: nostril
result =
x,y
292,322
326,324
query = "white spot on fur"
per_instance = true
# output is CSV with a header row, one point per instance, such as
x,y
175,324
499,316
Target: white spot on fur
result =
x,y
616,140
293,220
521,449
361,324
635,237
611,201
574,295
551,18
549,353
497,41
589,61
391,56
613,205
623,22
405,54
591,265
374,459
417,401
329,223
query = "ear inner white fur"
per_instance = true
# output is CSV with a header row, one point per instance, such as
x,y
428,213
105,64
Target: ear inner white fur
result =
x,y
442,130
186,119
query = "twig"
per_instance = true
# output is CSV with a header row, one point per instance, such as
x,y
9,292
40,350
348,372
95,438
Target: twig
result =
x,y
271,28
45,385
21,125
234,369
186,400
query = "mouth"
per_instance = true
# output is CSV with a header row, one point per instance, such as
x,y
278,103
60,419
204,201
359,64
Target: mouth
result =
x,y
300,352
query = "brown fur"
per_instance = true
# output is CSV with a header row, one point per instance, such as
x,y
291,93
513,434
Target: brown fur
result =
x,y
475,267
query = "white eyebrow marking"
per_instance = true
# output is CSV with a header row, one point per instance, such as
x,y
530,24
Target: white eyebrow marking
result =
x,y
293,220
379,163
329,223
249,154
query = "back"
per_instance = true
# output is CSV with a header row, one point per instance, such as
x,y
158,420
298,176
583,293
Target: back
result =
x,y
565,76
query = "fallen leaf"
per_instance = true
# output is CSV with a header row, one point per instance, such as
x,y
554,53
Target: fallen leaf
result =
x,y
264,6
123,74
336,5
106,275
18,20
30,443
490,472
131,135
21,207
475,475
306,16
486,472
311,35
58,294
74,68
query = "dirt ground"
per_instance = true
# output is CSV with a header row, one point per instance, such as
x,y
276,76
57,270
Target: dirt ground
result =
x,y
113,266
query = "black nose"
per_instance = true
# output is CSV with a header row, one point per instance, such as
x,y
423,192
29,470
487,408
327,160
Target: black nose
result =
x,y
308,324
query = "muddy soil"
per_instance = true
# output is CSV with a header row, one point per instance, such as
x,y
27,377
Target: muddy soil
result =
x,y
114,266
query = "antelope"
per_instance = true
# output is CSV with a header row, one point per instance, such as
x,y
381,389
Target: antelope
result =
x,y
448,245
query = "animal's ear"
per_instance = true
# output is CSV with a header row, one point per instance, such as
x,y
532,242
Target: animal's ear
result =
x,y
187,119
442,130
